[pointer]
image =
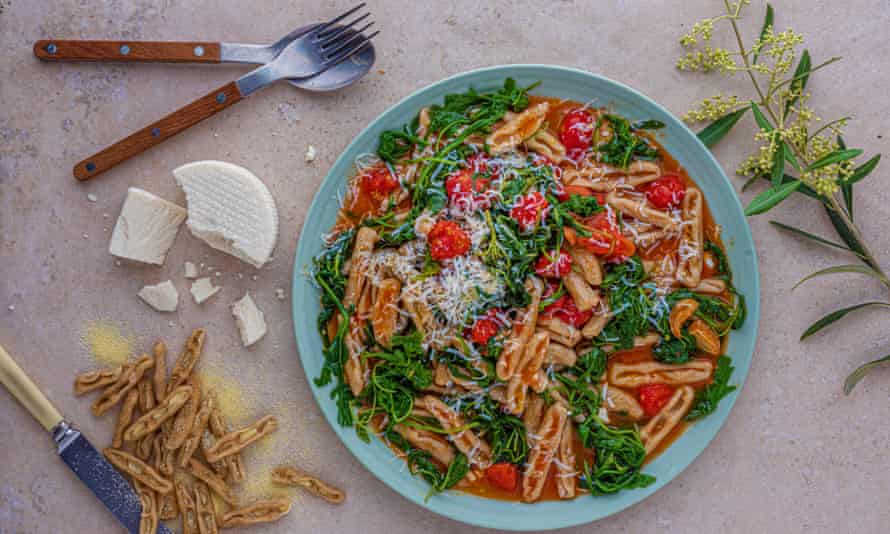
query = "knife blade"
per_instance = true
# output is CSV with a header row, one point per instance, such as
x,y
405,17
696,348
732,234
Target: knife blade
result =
x,y
87,463
101,477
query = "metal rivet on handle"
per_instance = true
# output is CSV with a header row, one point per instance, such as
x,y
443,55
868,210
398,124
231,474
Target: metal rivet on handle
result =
x,y
125,50
91,166
156,132
51,48
220,98
199,51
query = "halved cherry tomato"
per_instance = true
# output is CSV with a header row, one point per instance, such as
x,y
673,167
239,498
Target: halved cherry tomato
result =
x,y
566,192
485,327
666,192
464,186
553,265
653,397
606,240
576,130
447,240
378,183
503,475
529,209
564,309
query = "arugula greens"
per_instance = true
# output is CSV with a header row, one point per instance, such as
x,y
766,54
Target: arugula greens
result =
x,y
629,302
421,463
623,146
328,274
619,457
396,375
706,400
505,433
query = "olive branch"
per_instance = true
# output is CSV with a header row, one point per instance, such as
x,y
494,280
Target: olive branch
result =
x,y
794,155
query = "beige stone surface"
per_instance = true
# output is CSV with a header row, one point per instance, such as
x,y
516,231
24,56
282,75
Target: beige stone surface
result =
x,y
795,455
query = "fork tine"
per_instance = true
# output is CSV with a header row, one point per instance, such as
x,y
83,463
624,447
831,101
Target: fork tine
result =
x,y
321,29
355,49
347,41
335,33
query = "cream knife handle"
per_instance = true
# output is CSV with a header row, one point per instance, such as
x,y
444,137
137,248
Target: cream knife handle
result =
x,y
21,387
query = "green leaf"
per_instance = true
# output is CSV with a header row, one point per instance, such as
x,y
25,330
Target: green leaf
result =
x,y
848,236
808,235
778,170
767,23
750,181
859,269
789,156
771,197
838,315
863,170
706,400
761,119
801,76
836,156
719,128
860,372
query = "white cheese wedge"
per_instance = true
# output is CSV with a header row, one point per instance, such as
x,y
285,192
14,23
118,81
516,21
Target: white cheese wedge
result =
x,y
230,209
163,297
202,289
250,320
145,228
191,271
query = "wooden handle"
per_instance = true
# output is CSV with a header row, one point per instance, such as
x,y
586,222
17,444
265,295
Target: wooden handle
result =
x,y
157,51
158,132
21,387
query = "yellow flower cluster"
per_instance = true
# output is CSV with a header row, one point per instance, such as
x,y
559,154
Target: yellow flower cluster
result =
x,y
707,60
700,30
712,108
779,47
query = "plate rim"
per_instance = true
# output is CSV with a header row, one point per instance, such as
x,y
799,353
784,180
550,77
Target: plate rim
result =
x,y
360,449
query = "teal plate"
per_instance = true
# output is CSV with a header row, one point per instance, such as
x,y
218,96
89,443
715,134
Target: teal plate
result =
x,y
682,144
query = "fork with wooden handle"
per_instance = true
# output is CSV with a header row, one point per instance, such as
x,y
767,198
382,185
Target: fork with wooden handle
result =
x,y
308,55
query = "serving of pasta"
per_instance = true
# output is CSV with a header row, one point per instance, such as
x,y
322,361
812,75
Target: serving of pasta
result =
x,y
525,298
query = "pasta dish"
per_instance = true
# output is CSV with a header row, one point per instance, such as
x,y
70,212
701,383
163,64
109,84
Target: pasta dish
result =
x,y
525,298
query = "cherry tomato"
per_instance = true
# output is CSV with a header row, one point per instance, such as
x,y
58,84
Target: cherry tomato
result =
x,y
529,210
463,188
553,265
606,239
503,475
485,327
567,191
653,397
564,309
576,130
378,183
666,192
447,240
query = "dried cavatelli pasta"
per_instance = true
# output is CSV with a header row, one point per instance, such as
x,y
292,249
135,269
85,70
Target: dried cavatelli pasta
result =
x,y
159,378
148,517
205,511
125,382
152,420
258,512
185,417
187,360
138,469
124,418
236,441
202,418
185,500
291,476
217,484
93,380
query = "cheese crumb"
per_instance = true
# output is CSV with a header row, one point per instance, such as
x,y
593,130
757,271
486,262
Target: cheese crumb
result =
x,y
218,274
91,197
162,297
279,293
310,154
202,289
11,307
191,271
145,228
250,320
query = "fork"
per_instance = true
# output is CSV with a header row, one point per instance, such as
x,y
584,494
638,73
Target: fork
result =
x,y
308,55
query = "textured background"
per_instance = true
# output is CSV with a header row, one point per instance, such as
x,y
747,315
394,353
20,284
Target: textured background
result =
x,y
795,456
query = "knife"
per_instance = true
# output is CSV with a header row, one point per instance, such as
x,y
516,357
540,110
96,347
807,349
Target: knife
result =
x,y
87,463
